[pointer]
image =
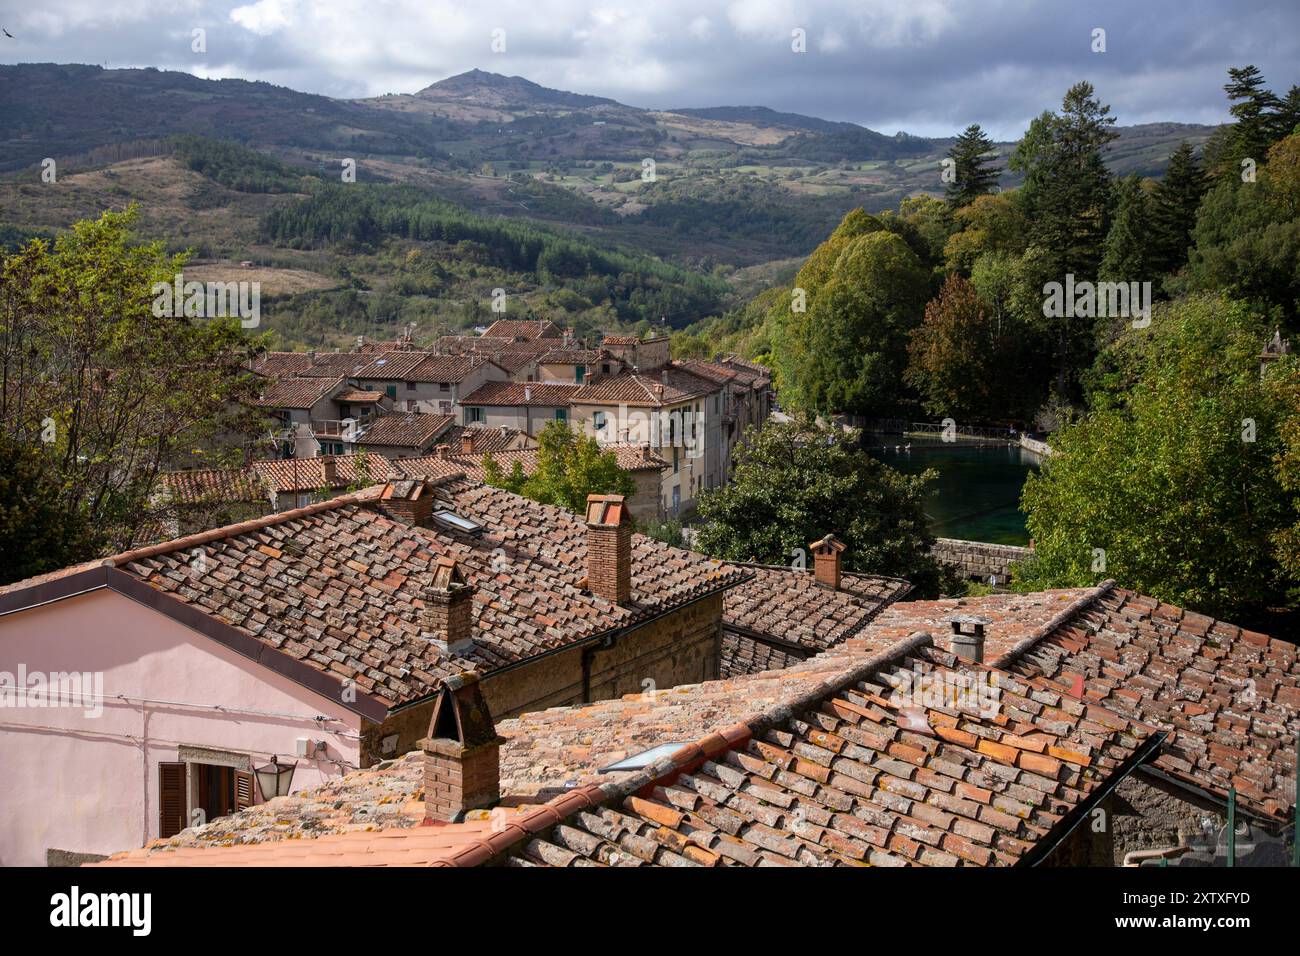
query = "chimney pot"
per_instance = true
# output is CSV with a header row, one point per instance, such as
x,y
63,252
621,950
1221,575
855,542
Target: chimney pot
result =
x,y
609,548
528,393
968,637
462,766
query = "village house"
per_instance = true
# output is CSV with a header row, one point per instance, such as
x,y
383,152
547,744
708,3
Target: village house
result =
x,y
403,433
317,639
526,406
668,410
574,366
305,415
744,401
420,381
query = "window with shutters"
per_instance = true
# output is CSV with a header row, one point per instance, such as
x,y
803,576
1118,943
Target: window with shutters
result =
x,y
194,793
171,799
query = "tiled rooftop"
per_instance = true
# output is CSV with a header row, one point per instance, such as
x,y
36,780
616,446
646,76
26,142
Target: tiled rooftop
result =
x,y
822,765
308,474
417,430
787,606
337,586
296,393
527,329
854,775
665,386
201,485
276,364
1230,696
336,364
390,365
549,394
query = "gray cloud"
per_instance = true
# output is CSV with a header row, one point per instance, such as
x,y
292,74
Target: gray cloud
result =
x,y
926,66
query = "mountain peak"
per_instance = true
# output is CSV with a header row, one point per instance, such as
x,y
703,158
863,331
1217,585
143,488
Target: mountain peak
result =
x,y
484,88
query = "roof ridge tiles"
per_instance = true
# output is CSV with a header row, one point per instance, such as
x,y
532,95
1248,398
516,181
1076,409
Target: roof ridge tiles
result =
x,y
1054,623
559,808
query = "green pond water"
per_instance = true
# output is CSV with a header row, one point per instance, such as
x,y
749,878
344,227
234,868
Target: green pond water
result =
x,y
977,494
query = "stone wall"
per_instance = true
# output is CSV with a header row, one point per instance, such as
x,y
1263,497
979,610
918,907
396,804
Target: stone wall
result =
x,y
683,646
978,561
1036,446
1151,814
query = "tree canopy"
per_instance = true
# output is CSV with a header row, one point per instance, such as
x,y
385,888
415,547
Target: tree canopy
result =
x,y
107,393
570,466
796,482
1174,487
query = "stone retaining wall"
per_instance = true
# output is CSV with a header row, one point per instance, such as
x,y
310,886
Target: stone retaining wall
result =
x,y
978,561
1036,446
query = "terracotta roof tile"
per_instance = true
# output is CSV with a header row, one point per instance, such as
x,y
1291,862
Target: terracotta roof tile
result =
x,y
1230,697
417,430
666,386
549,394
524,328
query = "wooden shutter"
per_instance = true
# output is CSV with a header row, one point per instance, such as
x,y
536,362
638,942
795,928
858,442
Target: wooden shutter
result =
x,y
171,799
243,789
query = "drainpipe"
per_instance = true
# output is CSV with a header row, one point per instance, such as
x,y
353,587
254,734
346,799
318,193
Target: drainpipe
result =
x,y
1164,855
1232,827
608,642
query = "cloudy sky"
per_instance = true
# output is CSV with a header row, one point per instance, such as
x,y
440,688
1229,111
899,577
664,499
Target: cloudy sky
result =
x,y
925,66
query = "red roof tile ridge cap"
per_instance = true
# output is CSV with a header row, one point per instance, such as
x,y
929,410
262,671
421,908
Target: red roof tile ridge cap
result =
x,y
230,530
735,734
1057,620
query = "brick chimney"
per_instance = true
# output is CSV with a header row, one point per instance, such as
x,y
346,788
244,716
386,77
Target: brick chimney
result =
x,y
609,548
448,617
462,767
826,560
409,501
330,467
967,640
442,451
467,442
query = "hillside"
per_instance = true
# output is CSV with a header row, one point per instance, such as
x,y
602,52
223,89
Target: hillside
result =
x,y
732,185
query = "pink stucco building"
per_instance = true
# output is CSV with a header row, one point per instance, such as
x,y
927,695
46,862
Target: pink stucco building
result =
x,y
183,716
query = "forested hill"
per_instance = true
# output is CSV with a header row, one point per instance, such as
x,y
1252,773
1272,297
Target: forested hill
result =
x,y
731,185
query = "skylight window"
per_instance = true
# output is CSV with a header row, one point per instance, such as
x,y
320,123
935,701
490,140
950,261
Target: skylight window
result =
x,y
645,758
459,522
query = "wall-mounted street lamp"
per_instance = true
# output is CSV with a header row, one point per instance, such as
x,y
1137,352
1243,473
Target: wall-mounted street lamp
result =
x,y
275,778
